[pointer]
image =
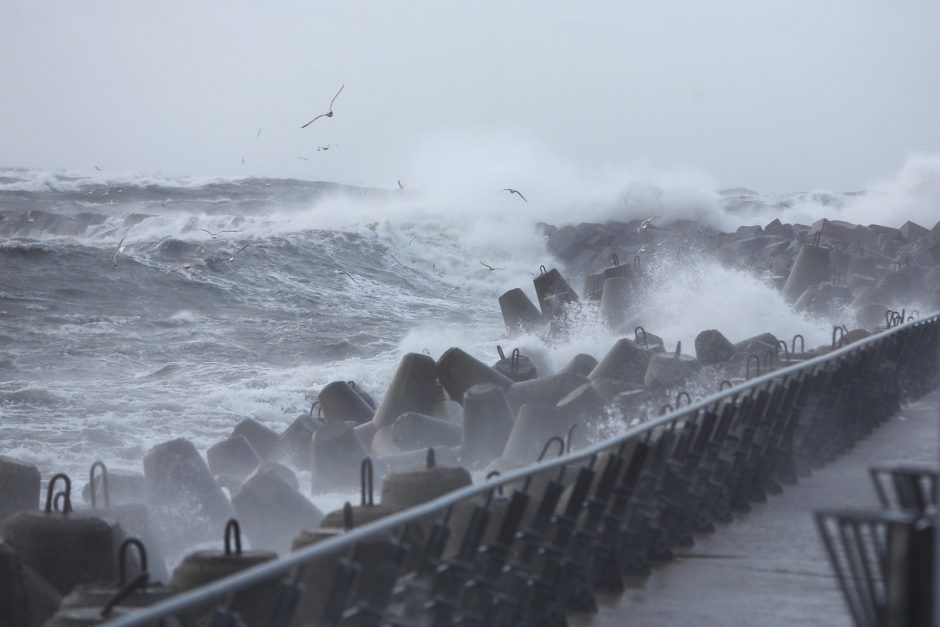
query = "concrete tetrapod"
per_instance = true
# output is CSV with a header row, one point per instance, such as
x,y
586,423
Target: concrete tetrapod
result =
x,y
335,455
809,270
544,390
615,299
64,549
413,388
553,293
273,511
234,456
263,439
458,371
519,314
487,422
254,605
340,402
25,597
183,497
294,441
626,361
20,487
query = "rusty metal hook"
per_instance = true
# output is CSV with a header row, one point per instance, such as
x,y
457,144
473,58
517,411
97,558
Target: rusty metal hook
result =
x,y
122,558
840,333
793,344
104,484
67,508
233,531
542,270
747,369
366,483
786,349
683,394
561,446
636,336
499,350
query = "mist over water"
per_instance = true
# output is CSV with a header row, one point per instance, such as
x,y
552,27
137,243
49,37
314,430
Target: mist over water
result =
x,y
337,283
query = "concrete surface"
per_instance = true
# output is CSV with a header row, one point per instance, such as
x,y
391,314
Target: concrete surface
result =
x,y
768,567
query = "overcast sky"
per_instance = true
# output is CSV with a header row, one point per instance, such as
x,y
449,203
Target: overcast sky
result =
x,y
788,95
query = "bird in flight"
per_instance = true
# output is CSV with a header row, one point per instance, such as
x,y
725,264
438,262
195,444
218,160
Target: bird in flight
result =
x,y
489,267
401,185
645,224
258,136
216,235
327,147
329,113
303,158
514,191
232,258
97,168
117,251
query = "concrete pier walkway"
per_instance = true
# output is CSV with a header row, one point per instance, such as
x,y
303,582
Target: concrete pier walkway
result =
x,y
768,567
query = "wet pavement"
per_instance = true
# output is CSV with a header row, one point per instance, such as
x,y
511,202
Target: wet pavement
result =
x,y
768,566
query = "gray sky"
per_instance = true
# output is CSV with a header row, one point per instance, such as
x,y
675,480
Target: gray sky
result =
x,y
787,95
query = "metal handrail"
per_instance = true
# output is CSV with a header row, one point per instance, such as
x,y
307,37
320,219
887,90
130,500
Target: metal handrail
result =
x,y
269,570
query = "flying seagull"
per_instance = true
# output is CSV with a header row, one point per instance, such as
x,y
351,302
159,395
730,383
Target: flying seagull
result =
x,y
258,136
232,258
489,267
97,168
216,235
645,224
329,113
303,158
514,191
117,251
400,184
327,147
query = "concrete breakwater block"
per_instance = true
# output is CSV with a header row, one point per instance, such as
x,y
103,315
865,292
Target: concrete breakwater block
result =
x,y
519,314
183,497
626,361
340,402
20,487
581,364
667,369
416,431
487,421
711,347
517,366
615,299
535,425
272,511
335,455
809,270
234,456
544,390
294,441
263,439
124,486
553,293
25,597
413,388
458,371
63,548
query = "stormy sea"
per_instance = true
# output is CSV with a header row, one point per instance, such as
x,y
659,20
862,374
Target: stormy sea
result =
x,y
136,309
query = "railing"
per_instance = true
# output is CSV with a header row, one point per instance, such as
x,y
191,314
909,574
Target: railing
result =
x,y
534,543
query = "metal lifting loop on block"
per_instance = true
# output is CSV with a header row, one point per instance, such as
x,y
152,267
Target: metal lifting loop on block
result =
x,y
549,442
366,483
747,370
58,502
430,460
683,394
542,270
233,531
316,403
570,437
678,349
495,473
499,350
67,507
616,260
122,558
725,385
139,582
786,349
636,336
514,360
104,484
666,409
348,522
838,332
793,344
